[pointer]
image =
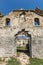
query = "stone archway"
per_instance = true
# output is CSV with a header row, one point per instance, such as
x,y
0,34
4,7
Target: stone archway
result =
x,y
23,41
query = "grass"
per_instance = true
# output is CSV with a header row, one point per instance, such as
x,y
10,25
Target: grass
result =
x,y
22,48
34,61
13,61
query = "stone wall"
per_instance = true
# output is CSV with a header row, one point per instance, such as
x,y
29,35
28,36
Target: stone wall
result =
x,y
37,47
7,44
7,34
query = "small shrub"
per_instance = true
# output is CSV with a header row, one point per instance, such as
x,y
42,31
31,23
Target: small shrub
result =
x,y
2,59
13,61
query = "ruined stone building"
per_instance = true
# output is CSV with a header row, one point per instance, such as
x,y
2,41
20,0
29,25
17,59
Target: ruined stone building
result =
x,y
20,27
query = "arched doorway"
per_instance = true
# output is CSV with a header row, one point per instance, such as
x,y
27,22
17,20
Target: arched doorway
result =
x,y
23,41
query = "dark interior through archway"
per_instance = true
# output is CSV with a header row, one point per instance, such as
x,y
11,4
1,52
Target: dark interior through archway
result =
x,y
24,40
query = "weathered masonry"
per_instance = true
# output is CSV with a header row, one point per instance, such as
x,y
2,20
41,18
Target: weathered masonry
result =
x,y
25,24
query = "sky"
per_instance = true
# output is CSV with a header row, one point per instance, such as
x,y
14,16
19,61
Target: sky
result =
x,y
7,6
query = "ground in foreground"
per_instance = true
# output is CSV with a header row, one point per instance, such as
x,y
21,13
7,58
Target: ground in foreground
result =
x,y
34,61
13,61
